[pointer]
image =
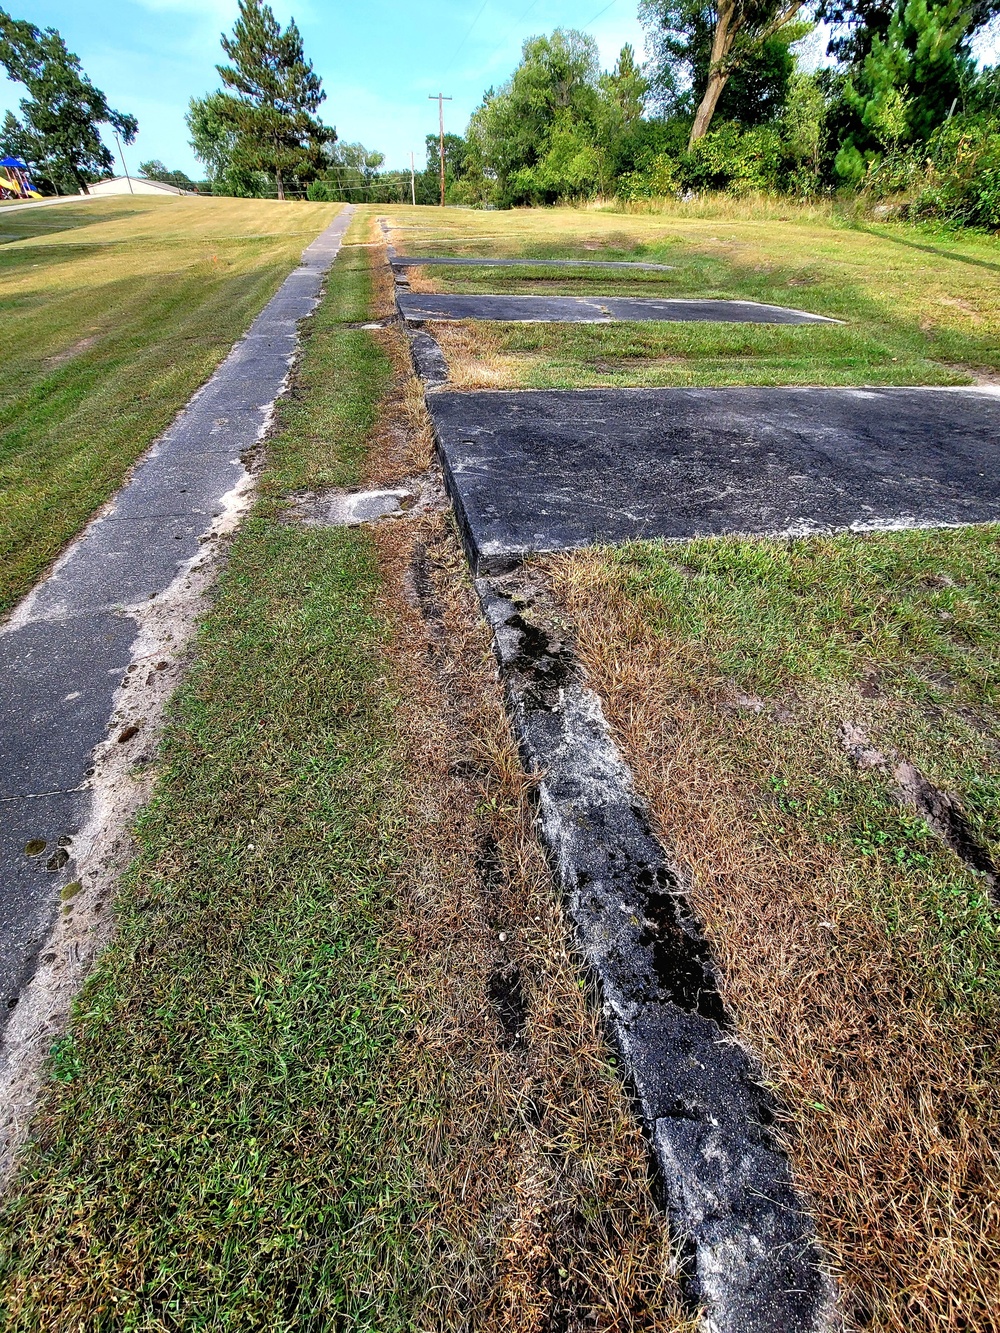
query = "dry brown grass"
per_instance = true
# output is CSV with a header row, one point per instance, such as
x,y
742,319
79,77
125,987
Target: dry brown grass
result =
x,y
474,356
893,1120
535,1170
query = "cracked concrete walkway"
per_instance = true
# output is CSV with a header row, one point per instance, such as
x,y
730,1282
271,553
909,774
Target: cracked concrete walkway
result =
x,y
66,648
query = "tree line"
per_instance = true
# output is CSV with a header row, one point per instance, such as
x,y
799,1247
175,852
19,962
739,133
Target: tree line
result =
x,y
901,112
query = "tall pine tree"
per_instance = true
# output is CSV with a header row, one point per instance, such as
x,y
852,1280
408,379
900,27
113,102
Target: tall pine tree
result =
x,y
273,99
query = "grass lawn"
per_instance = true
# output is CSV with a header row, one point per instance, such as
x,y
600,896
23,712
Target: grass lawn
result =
x,y
918,307
337,1070
769,695
112,312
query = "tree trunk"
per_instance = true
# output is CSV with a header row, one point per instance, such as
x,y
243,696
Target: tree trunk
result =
x,y
726,28
281,187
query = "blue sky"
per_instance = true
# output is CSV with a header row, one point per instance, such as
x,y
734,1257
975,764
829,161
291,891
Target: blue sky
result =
x,y
378,59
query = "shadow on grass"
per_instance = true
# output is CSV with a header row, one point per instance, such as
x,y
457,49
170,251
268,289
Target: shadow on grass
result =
x,y
931,249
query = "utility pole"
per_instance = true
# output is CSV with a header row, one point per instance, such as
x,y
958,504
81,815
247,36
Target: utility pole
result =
x,y
121,154
440,99
413,183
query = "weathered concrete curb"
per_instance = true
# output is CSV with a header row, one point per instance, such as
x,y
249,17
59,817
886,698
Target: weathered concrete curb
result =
x,y
754,1260
429,362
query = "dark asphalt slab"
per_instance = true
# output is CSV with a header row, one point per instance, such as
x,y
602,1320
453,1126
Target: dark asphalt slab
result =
x,y
556,469
65,650
417,307
454,261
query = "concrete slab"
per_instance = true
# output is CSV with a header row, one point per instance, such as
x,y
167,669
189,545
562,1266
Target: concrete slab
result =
x,y
547,471
417,307
65,650
455,261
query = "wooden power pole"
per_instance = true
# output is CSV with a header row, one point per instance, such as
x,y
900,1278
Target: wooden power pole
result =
x,y
440,99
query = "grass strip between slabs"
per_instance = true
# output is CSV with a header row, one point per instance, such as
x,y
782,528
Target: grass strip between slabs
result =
x,y
219,1148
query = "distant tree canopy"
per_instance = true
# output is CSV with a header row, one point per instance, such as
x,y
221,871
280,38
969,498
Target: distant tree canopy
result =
x,y
262,127
552,130
58,133
727,56
154,170
351,174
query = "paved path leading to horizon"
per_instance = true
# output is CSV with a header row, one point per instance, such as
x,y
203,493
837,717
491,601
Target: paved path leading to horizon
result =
x,y
66,648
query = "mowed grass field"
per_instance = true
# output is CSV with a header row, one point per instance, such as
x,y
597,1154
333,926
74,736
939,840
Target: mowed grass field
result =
x,y
112,312
917,307
773,697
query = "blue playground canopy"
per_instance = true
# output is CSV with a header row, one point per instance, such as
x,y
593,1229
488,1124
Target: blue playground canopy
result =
x,y
13,162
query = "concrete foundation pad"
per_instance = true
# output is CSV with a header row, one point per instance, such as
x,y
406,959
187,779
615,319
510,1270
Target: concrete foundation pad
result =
x,y
455,261
552,470
418,307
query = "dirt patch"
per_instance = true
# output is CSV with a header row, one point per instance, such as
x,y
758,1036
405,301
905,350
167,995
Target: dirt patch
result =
x,y
941,810
70,353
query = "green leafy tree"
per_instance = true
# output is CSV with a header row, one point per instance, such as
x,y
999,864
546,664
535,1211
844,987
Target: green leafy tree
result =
x,y
273,95
909,83
59,130
856,23
804,125
537,138
214,142
703,48
154,170
625,88
352,175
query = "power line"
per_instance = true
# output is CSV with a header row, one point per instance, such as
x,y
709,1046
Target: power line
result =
x,y
517,24
600,12
459,48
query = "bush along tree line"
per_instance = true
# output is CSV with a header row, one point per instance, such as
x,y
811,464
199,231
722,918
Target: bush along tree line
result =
x,y
902,112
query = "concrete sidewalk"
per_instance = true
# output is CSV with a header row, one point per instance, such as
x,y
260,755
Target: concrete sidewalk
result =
x,y
66,652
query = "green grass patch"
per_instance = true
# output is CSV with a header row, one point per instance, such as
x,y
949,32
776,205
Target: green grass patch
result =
x,y
224,1145
918,305
897,631
112,313
702,355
